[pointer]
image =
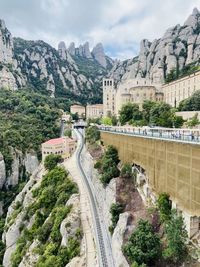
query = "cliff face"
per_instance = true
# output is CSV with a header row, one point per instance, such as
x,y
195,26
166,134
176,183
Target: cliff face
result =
x,y
74,72
6,44
179,46
21,164
56,227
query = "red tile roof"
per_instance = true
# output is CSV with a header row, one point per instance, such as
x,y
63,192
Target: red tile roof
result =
x,y
55,141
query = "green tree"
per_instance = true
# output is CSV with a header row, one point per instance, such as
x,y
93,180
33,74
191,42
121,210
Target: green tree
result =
x,y
178,121
193,121
161,115
108,165
51,161
106,121
110,173
128,112
146,108
176,235
92,134
75,116
116,209
112,153
144,246
164,206
114,120
68,133
126,171
191,104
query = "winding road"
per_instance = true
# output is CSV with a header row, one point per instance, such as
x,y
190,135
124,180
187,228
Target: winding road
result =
x,y
103,242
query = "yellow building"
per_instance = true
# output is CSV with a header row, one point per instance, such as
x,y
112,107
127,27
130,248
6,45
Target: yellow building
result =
x,y
94,111
80,110
178,90
63,146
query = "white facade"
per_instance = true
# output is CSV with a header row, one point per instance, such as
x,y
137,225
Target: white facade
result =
x,y
94,111
178,90
131,90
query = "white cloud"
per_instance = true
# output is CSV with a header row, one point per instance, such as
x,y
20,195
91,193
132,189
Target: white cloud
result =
x,y
118,24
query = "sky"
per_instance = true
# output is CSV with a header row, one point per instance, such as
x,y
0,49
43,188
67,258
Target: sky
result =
x,y
119,24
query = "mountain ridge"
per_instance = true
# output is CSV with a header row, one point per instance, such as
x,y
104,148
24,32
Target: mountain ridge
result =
x,y
38,65
179,46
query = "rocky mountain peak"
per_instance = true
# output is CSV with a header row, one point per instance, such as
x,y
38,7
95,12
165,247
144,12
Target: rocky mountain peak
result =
x,y
62,50
6,44
195,11
99,55
71,48
193,19
62,45
86,50
179,46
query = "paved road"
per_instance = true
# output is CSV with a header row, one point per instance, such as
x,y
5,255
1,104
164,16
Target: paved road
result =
x,y
102,242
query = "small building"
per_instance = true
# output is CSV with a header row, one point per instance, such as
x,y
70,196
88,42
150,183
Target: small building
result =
x,y
94,111
80,110
63,146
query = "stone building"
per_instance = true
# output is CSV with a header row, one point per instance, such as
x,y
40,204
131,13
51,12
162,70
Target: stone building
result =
x,y
178,90
109,97
131,90
63,146
80,110
94,111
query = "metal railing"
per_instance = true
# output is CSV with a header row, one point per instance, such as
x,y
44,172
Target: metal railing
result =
x,y
184,135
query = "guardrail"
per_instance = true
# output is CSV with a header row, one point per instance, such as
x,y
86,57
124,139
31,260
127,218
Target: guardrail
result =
x,y
184,135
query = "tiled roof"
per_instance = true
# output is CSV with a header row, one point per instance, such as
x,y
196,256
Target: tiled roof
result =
x,y
55,141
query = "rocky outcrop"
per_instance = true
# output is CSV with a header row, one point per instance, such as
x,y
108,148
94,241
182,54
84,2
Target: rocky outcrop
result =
x,y
31,162
6,44
99,55
15,219
21,164
2,171
14,173
117,240
72,49
72,222
86,50
179,46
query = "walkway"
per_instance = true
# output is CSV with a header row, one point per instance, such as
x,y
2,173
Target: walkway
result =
x,y
177,135
86,215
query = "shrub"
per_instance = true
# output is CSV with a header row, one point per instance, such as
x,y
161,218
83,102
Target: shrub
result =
x,y
144,245
164,206
126,171
51,161
115,210
176,235
92,134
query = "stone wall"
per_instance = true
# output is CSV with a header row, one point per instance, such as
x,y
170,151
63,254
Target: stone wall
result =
x,y
170,166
